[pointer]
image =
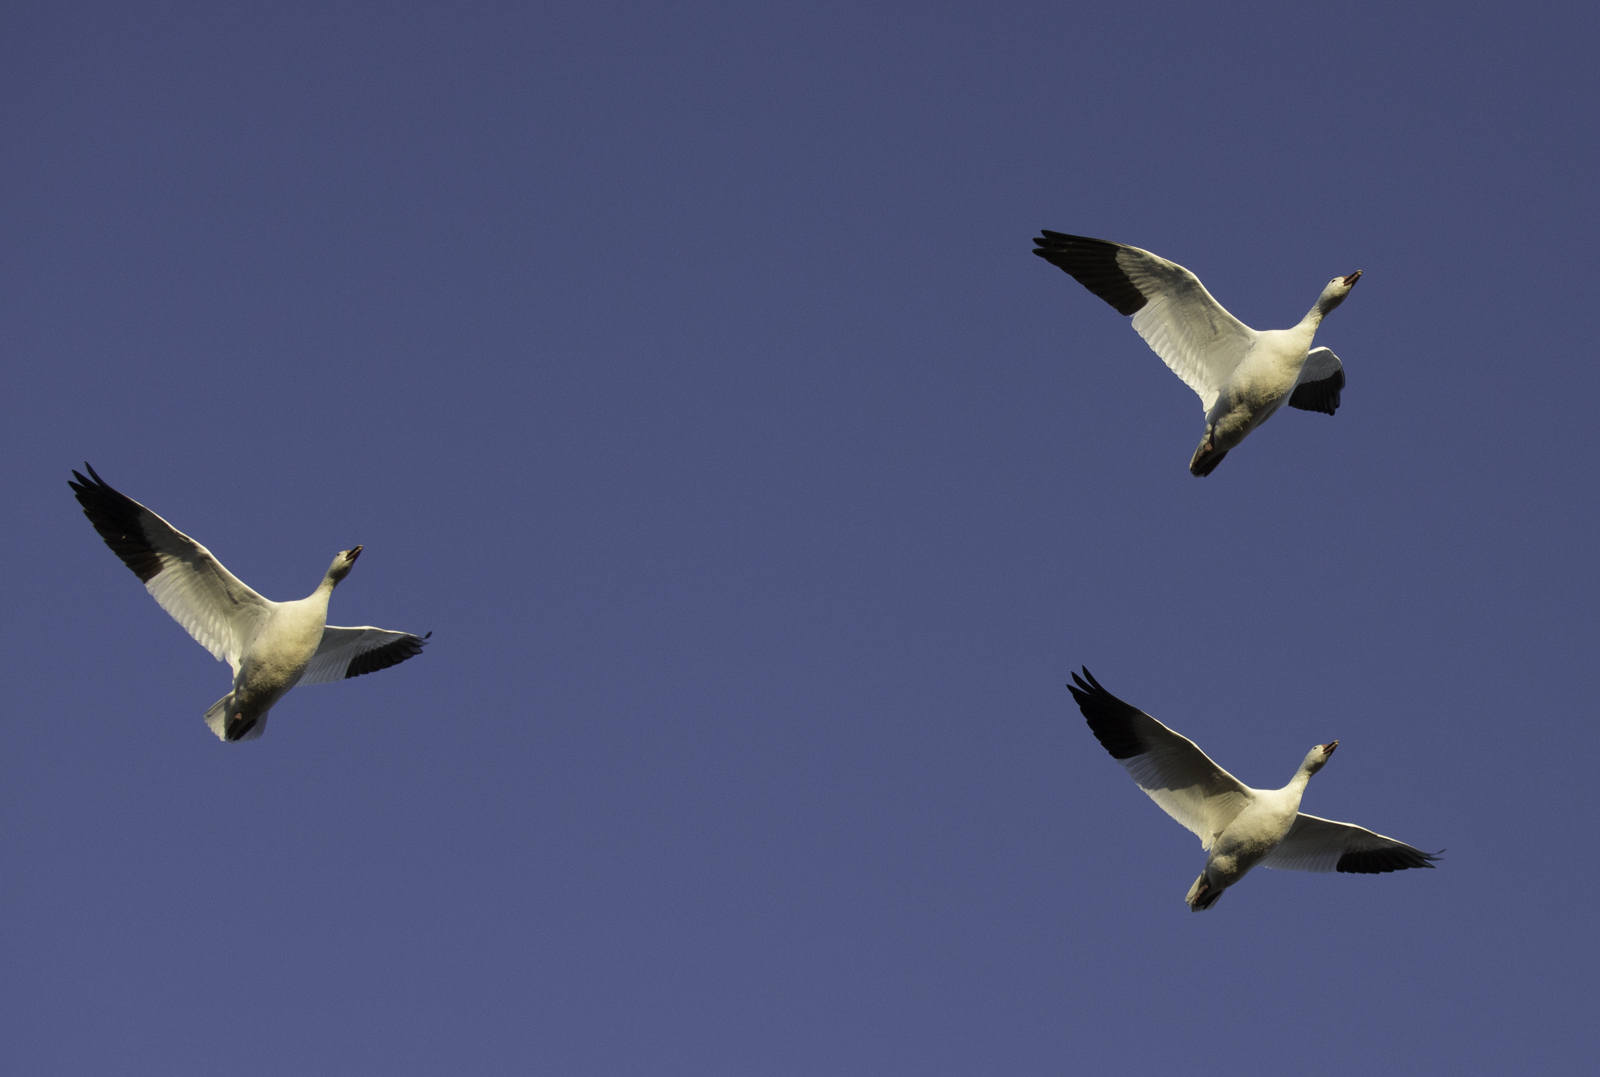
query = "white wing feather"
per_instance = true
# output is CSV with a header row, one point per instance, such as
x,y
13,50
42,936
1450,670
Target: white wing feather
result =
x,y
1182,323
1168,766
213,605
1189,787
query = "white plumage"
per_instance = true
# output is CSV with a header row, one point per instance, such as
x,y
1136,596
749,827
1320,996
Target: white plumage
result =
x,y
1239,827
271,646
1242,375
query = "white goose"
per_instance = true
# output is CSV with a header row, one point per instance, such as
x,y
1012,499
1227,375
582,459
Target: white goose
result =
x,y
1239,827
1243,375
272,646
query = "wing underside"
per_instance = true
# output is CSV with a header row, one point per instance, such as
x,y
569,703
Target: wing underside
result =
x,y
1316,844
1192,333
352,652
214,606
1169,767
1321,380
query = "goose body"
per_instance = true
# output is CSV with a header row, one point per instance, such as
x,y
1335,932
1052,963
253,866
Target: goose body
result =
x,y
1239,827
271,646
1242,375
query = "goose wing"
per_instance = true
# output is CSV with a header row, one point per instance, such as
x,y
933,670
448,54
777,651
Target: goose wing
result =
x,y
1321,378
350,652
211,603
1168,766
1171,309
1314,844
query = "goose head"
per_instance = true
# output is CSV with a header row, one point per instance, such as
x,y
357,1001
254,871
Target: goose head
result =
x,y
1318,757
343,561
1335,292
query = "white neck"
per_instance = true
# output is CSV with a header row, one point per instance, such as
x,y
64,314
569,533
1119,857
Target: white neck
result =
x,y
1323,306
1297,784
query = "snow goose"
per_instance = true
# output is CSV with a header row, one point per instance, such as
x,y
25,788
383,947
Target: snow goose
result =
x,y
272,646
1239,827
1242,375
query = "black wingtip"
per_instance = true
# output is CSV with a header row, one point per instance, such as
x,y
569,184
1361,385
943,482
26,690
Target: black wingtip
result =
x,y
1382,861
1319,396
92,482
116,517
1084,685
390,654
1110,719
1093,264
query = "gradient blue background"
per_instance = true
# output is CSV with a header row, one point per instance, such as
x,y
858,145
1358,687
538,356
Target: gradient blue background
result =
x,y
685,370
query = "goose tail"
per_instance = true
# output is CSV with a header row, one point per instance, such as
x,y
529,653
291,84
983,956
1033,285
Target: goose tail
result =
x,y
1202,895
1205,459
231,727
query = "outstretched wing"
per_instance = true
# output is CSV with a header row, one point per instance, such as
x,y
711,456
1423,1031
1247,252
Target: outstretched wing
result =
x,y
350,652
1314,844
1171,309
212,604
1168,766
1321,378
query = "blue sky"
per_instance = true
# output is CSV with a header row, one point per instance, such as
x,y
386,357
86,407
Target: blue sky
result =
x,y
686,372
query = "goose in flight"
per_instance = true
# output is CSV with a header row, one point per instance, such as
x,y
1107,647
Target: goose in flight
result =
x,y
272,646
1243,375
1239,827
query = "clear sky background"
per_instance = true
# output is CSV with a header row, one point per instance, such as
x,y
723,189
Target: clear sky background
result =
x,y
684,369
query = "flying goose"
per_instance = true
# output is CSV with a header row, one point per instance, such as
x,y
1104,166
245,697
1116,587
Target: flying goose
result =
x,y
1239,827
272,646
1243,375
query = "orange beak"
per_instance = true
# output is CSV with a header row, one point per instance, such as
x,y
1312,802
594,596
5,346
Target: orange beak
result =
x,y
353,554
1350,281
